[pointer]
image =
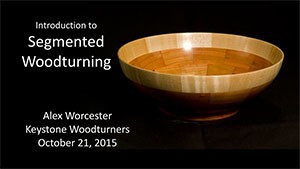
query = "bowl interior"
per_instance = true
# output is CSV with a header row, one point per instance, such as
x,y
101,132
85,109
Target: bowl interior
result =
x,y
200,61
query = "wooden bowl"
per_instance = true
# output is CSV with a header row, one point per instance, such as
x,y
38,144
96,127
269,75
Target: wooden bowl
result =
x,y
200,76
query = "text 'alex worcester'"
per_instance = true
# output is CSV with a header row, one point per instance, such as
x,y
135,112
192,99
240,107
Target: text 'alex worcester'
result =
x,y
76,116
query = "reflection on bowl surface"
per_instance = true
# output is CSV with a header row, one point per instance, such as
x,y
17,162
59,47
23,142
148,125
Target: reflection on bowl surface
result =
x,y
200,76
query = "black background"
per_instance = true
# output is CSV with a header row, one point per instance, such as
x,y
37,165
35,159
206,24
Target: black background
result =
x,y
265,133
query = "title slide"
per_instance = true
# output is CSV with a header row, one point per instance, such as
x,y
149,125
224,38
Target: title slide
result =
x,y
93,84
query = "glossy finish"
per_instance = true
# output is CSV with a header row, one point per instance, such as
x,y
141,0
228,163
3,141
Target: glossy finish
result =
x,y
200,76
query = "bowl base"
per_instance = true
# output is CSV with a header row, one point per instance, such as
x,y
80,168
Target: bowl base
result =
x,y
200,117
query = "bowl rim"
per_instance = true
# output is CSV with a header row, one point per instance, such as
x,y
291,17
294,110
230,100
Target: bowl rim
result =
x,y
192,75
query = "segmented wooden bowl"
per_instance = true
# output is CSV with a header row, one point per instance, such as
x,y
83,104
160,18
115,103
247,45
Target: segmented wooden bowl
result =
x,y
200,76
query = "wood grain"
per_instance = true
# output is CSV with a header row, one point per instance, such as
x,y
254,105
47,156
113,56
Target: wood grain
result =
x,y
171,75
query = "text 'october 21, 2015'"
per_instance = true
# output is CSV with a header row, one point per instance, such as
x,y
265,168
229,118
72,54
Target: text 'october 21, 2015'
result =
x,y
84,130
